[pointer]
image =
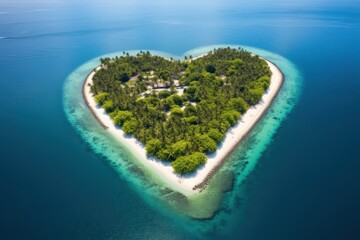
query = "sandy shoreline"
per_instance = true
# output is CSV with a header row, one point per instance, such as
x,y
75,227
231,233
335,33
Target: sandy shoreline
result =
x,y
195,182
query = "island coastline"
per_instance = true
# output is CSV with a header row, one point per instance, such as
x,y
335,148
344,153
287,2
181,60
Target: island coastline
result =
x,y
195,182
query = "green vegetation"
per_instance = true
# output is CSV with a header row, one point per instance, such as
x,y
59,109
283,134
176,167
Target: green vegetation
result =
x,y
187,164
180,110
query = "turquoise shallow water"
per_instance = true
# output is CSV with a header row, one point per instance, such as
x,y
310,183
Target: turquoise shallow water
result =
x,y
147,183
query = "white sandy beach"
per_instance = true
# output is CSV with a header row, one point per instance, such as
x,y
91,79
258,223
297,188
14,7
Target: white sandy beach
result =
x,y
234,135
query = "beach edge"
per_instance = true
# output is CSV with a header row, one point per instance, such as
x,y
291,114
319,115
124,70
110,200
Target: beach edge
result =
x,y
193,183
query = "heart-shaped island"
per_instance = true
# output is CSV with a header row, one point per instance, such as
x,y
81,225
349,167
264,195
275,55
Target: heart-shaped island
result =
x,y
182,118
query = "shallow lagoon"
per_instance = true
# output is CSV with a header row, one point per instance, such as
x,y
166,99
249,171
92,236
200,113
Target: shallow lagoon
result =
x,y
207,204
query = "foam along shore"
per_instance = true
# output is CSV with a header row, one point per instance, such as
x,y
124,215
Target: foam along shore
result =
x,y
193,183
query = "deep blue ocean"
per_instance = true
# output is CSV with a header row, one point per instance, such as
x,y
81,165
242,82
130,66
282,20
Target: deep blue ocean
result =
x,y
306,183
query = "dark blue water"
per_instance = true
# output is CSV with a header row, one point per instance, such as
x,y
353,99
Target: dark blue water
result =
x,y
52,186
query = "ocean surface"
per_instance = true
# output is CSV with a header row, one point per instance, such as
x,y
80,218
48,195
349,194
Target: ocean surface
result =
x,y
295,177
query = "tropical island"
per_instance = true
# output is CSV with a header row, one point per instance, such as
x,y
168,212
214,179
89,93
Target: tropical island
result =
x,y
179,115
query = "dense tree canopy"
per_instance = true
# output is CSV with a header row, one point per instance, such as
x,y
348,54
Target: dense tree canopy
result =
x,y
180,110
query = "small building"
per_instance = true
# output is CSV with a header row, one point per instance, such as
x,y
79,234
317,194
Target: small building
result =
x,y
134,78
175,77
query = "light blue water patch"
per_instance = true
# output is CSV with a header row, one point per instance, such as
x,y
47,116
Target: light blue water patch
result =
x,y
240,163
